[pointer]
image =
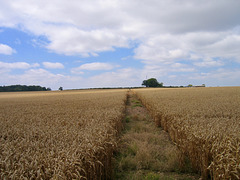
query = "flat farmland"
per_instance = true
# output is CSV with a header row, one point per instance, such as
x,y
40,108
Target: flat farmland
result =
x,y
203,122
74,134
59,135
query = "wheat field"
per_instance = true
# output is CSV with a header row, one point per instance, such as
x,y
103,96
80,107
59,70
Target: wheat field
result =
x,y
73,134
59,135
204,123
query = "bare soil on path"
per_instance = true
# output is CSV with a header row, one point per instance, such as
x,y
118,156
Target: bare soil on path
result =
x,y
146,151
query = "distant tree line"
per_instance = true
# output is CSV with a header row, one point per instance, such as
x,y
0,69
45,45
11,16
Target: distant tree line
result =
x,y
14,88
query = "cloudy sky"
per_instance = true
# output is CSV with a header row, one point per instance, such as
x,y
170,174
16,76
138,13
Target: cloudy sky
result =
x,y
112,43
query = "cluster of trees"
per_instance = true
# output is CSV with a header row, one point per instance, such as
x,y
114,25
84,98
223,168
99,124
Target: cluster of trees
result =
x,y
152,82
14,88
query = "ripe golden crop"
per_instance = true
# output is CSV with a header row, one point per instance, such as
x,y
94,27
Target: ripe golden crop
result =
x,y
59,135
72,134
204,123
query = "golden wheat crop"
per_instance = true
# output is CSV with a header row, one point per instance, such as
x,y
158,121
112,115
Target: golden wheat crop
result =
x,y
204,123
59,135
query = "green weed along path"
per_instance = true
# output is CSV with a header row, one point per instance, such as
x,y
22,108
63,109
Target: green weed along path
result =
x,y
146,151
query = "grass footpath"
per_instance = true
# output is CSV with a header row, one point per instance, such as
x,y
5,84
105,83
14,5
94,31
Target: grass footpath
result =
x,y
146,151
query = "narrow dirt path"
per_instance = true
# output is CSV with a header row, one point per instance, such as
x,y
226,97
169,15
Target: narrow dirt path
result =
x,y
146,151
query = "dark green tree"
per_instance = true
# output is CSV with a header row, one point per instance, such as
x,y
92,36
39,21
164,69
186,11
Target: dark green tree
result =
x,y
152,82
145,83
60,89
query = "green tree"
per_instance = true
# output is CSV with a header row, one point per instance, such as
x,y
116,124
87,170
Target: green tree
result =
x,y
152,82
60,89
145,83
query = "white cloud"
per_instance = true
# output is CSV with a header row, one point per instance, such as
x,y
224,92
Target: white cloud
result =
x,y
5,49
94,66
219,77
211,63
76,71
175,16
50,65
17,65
177,65
126,58
225,47
86,43
199,48
39,76
125,77
89,27
163,48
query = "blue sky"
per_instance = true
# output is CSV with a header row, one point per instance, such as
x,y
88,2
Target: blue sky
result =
x,y
83,44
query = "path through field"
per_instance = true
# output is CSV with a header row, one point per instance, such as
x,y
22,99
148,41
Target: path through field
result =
x,y
146,151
